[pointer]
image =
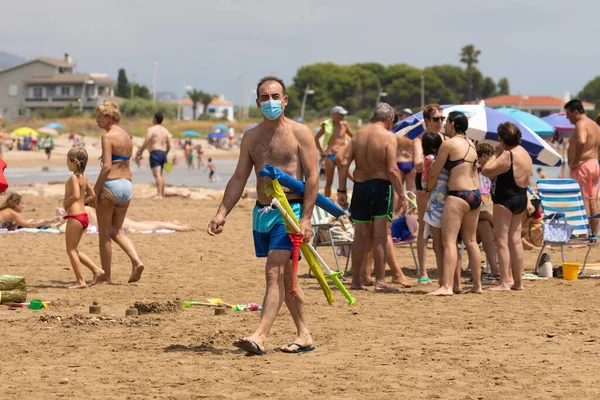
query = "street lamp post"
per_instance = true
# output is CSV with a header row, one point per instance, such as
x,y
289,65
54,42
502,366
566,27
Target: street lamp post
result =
x,y
379,96
82,99
307,91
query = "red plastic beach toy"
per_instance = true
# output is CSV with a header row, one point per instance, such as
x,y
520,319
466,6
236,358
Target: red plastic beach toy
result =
x,y
296,239
3,183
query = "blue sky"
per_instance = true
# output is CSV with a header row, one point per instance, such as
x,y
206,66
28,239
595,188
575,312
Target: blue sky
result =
x,y
542,47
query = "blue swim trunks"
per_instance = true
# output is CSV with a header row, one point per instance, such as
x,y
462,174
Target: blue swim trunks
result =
x,y
331,156
158,158
268,229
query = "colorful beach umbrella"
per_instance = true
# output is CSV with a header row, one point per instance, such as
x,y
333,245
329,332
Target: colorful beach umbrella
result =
x,y
54,125
559,121
221,127
533,122
483,126
48,131
217,135
24,131
247,128
190,134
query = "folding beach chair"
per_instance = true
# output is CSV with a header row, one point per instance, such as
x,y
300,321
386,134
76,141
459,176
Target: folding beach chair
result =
x,y
323,221
563,197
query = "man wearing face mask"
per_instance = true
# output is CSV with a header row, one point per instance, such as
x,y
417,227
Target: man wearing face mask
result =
x,y
289,146
373,149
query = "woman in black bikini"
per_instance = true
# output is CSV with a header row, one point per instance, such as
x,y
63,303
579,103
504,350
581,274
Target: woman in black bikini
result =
x,y
512,169
461,212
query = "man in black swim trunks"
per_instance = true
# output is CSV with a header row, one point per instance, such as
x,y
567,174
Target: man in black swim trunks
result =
x,y
158,143
373,149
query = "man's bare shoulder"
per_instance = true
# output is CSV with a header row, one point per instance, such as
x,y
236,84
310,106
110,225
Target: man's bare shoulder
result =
x,y
301,131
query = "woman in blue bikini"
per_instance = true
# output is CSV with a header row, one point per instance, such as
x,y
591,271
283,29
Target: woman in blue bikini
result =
x,y
113,190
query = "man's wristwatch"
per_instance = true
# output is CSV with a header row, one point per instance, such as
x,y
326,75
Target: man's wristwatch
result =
x,y
341,190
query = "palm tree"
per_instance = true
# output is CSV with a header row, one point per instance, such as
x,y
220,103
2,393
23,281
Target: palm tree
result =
x,y
469,56
195,97
206,99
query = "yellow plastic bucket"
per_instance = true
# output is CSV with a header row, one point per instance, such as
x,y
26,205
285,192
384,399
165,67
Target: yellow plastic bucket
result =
x,y
570,271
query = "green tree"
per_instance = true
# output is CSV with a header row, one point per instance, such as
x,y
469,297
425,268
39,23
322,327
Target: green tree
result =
x,y
69,111
141,91
454,78
122,89
591,92
469,56
487,88
139,107
196,97
206,99
503,87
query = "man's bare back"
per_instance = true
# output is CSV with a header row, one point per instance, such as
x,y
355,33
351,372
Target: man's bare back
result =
x,y
279,148
157,138
369,147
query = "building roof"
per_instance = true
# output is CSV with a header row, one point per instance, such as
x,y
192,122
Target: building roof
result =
x,y
524,101
56,62
216,101
70,78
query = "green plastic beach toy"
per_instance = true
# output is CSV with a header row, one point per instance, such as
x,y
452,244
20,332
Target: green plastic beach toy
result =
x,y
36,304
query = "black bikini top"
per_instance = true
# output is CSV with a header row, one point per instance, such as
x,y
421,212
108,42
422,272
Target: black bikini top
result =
x,y
451,164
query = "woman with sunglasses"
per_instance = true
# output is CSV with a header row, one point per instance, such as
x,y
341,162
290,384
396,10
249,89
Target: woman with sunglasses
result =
x,y
433,119
461,212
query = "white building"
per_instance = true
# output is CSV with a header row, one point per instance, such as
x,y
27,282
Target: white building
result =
x,y
219,108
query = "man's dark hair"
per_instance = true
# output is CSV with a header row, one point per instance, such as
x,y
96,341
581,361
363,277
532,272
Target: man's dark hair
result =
x,y
575,105
539,170
267,79
159,117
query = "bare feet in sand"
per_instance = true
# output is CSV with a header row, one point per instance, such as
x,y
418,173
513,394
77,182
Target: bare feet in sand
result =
x,y
368,282
441,292
97,277
500,288
517,287
457,289
405,283
354,287
136,273
476,290
383,288
79,286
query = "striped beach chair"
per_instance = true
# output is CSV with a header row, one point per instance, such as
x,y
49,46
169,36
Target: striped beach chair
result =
x,y
563,197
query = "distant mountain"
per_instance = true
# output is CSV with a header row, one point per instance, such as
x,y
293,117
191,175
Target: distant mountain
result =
x,y
7,59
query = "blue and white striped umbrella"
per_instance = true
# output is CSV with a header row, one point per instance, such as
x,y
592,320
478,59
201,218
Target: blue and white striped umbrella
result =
x,y
483,127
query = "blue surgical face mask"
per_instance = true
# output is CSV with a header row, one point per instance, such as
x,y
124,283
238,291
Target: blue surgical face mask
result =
x,y
272,109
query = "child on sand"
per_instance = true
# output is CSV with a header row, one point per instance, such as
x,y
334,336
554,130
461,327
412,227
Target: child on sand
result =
x,y
211,167
78,191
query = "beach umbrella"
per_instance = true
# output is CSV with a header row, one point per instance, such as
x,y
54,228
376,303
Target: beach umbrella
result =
x,y
247,128
24,131
190,134
483,126
559,121
533,122
48,131
54,125
217,135
221,127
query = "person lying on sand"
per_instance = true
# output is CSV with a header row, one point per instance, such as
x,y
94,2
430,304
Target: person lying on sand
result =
x,y
10,215
131,225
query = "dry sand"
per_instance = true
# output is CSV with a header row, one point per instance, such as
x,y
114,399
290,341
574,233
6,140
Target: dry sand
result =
x,y
541,343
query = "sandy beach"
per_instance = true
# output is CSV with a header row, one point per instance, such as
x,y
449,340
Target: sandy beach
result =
x,y
540,343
